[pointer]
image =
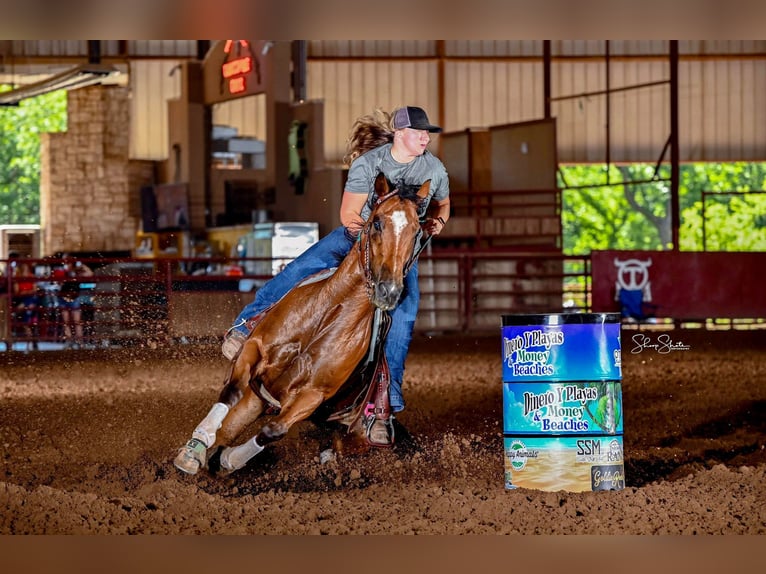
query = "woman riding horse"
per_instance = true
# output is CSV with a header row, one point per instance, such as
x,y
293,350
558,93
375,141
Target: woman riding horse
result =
x,y
394,145
308,344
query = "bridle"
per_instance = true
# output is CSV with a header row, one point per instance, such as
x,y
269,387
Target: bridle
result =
x,y
364,243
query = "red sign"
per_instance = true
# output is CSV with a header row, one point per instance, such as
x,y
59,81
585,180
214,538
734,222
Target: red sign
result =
x,y
237,85
236,70
229,43
682,285
237,67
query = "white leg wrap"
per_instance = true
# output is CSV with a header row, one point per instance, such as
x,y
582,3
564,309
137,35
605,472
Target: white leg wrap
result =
x,y
205,431
234,458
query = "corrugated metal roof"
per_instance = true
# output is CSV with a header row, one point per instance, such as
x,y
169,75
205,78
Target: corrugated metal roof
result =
x,y
21,49
482,83
722,101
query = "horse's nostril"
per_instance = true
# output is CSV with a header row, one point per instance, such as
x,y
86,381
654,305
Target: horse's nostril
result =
x,y
387,294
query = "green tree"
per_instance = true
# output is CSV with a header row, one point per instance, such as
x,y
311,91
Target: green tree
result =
x,y
637,216
612,216
733,219
20,129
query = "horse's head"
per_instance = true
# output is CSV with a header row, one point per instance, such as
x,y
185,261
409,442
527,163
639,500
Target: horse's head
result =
x,y
388,239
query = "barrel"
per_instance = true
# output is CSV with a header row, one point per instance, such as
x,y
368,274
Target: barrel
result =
x,y
562,402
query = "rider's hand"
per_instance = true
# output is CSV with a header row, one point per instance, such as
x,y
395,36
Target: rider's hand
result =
x,y
433,226
352,234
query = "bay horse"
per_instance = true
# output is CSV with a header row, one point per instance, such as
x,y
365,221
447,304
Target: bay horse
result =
x,y
306,346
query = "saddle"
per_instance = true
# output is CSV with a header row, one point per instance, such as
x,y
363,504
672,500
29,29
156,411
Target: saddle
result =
x,y
363,401
370,406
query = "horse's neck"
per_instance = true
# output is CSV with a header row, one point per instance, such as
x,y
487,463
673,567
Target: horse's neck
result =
x,y
349,277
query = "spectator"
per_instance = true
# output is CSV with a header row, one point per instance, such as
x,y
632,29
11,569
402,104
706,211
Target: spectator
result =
x,y
72,299
24,299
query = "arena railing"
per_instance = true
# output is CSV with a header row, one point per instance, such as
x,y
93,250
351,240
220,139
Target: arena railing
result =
x,y
150,302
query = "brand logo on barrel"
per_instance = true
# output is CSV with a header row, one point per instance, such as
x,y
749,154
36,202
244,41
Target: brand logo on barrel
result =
x,y
558,416
607,477
617,358
518,454
524,361
590,450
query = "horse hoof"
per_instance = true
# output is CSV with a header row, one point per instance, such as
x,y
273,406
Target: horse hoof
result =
x,y
327,455
187,464
351,444
191,457
227,464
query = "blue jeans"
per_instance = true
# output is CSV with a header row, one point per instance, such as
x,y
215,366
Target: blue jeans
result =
x,y
328,253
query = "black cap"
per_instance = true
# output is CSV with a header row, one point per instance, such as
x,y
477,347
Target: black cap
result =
x,y
415,118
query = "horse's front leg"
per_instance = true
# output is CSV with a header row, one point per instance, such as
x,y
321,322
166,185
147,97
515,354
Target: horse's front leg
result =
x,y
193,455
297,409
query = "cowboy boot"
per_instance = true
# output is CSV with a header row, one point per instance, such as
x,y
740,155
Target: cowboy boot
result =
x,y
381,431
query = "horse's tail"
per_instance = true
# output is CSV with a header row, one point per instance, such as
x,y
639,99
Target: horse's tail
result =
x,y
368,132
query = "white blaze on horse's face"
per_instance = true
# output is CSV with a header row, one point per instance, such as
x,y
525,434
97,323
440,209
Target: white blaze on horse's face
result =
x,y
399,219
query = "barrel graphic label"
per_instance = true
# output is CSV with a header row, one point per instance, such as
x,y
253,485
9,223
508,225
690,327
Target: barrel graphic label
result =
x,y
562,402
564,463
562,353
592,407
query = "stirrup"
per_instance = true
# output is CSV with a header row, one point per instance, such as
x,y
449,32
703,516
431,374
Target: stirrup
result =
x,y
240,323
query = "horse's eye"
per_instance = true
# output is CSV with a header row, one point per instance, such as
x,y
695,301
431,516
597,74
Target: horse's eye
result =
x,y
377,225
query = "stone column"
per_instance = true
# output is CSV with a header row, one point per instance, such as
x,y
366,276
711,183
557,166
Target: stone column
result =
x,y
89,189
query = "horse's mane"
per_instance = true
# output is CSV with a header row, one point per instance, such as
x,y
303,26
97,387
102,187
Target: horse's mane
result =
x,y
368,132
405,191
409,191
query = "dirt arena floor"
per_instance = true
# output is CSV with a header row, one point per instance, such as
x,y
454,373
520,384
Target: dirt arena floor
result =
x,y
88,439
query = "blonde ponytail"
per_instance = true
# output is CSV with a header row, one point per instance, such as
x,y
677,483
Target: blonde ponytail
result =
x,y
368,132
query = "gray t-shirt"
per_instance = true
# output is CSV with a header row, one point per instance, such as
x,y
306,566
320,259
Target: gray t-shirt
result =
x,y
365,168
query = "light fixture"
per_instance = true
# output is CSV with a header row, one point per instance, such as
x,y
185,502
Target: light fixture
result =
x,y
79,77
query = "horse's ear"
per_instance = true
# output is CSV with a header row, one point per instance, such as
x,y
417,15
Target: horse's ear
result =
x,y
381,185
424,189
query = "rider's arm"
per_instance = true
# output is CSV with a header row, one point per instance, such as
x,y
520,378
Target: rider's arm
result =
x,y
350,211
438,211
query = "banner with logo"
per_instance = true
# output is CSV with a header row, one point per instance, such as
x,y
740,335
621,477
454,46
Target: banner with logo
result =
x,y
682,285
